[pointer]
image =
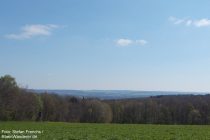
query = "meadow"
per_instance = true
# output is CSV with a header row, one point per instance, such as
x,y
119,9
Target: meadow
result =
x,y
85,131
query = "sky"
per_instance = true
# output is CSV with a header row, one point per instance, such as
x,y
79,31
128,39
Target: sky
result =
x,y
108,44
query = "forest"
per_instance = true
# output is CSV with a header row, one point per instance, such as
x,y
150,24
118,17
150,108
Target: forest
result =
x,y
18,104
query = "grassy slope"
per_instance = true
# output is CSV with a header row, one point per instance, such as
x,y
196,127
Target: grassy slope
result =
x,y
71,131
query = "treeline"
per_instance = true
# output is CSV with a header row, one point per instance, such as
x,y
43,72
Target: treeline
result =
x,y
17,104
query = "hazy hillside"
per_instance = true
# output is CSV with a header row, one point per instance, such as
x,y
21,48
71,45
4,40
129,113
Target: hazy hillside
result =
x,y
114,94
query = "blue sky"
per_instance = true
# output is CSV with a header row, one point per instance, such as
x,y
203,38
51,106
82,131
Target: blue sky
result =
x,y
106,44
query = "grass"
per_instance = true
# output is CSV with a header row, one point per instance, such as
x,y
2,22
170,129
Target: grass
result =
x,y
79,131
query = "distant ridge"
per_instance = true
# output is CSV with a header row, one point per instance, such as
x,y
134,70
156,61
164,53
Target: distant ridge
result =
x,y
114,94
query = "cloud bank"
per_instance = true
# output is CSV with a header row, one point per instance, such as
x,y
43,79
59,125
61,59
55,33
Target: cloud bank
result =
x,y
127,42
204,22
29,31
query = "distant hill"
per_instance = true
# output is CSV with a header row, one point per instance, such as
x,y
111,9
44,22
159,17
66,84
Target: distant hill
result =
x,y
114,94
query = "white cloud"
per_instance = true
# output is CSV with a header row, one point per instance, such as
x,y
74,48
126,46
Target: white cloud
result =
x,y
126,42
29,31
202,22
190,22
141,42
176,20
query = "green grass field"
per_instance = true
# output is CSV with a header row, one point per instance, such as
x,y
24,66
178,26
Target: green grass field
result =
x,y
79,131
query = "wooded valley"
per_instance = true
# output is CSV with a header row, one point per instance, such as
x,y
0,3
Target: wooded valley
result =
x,y
17,104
